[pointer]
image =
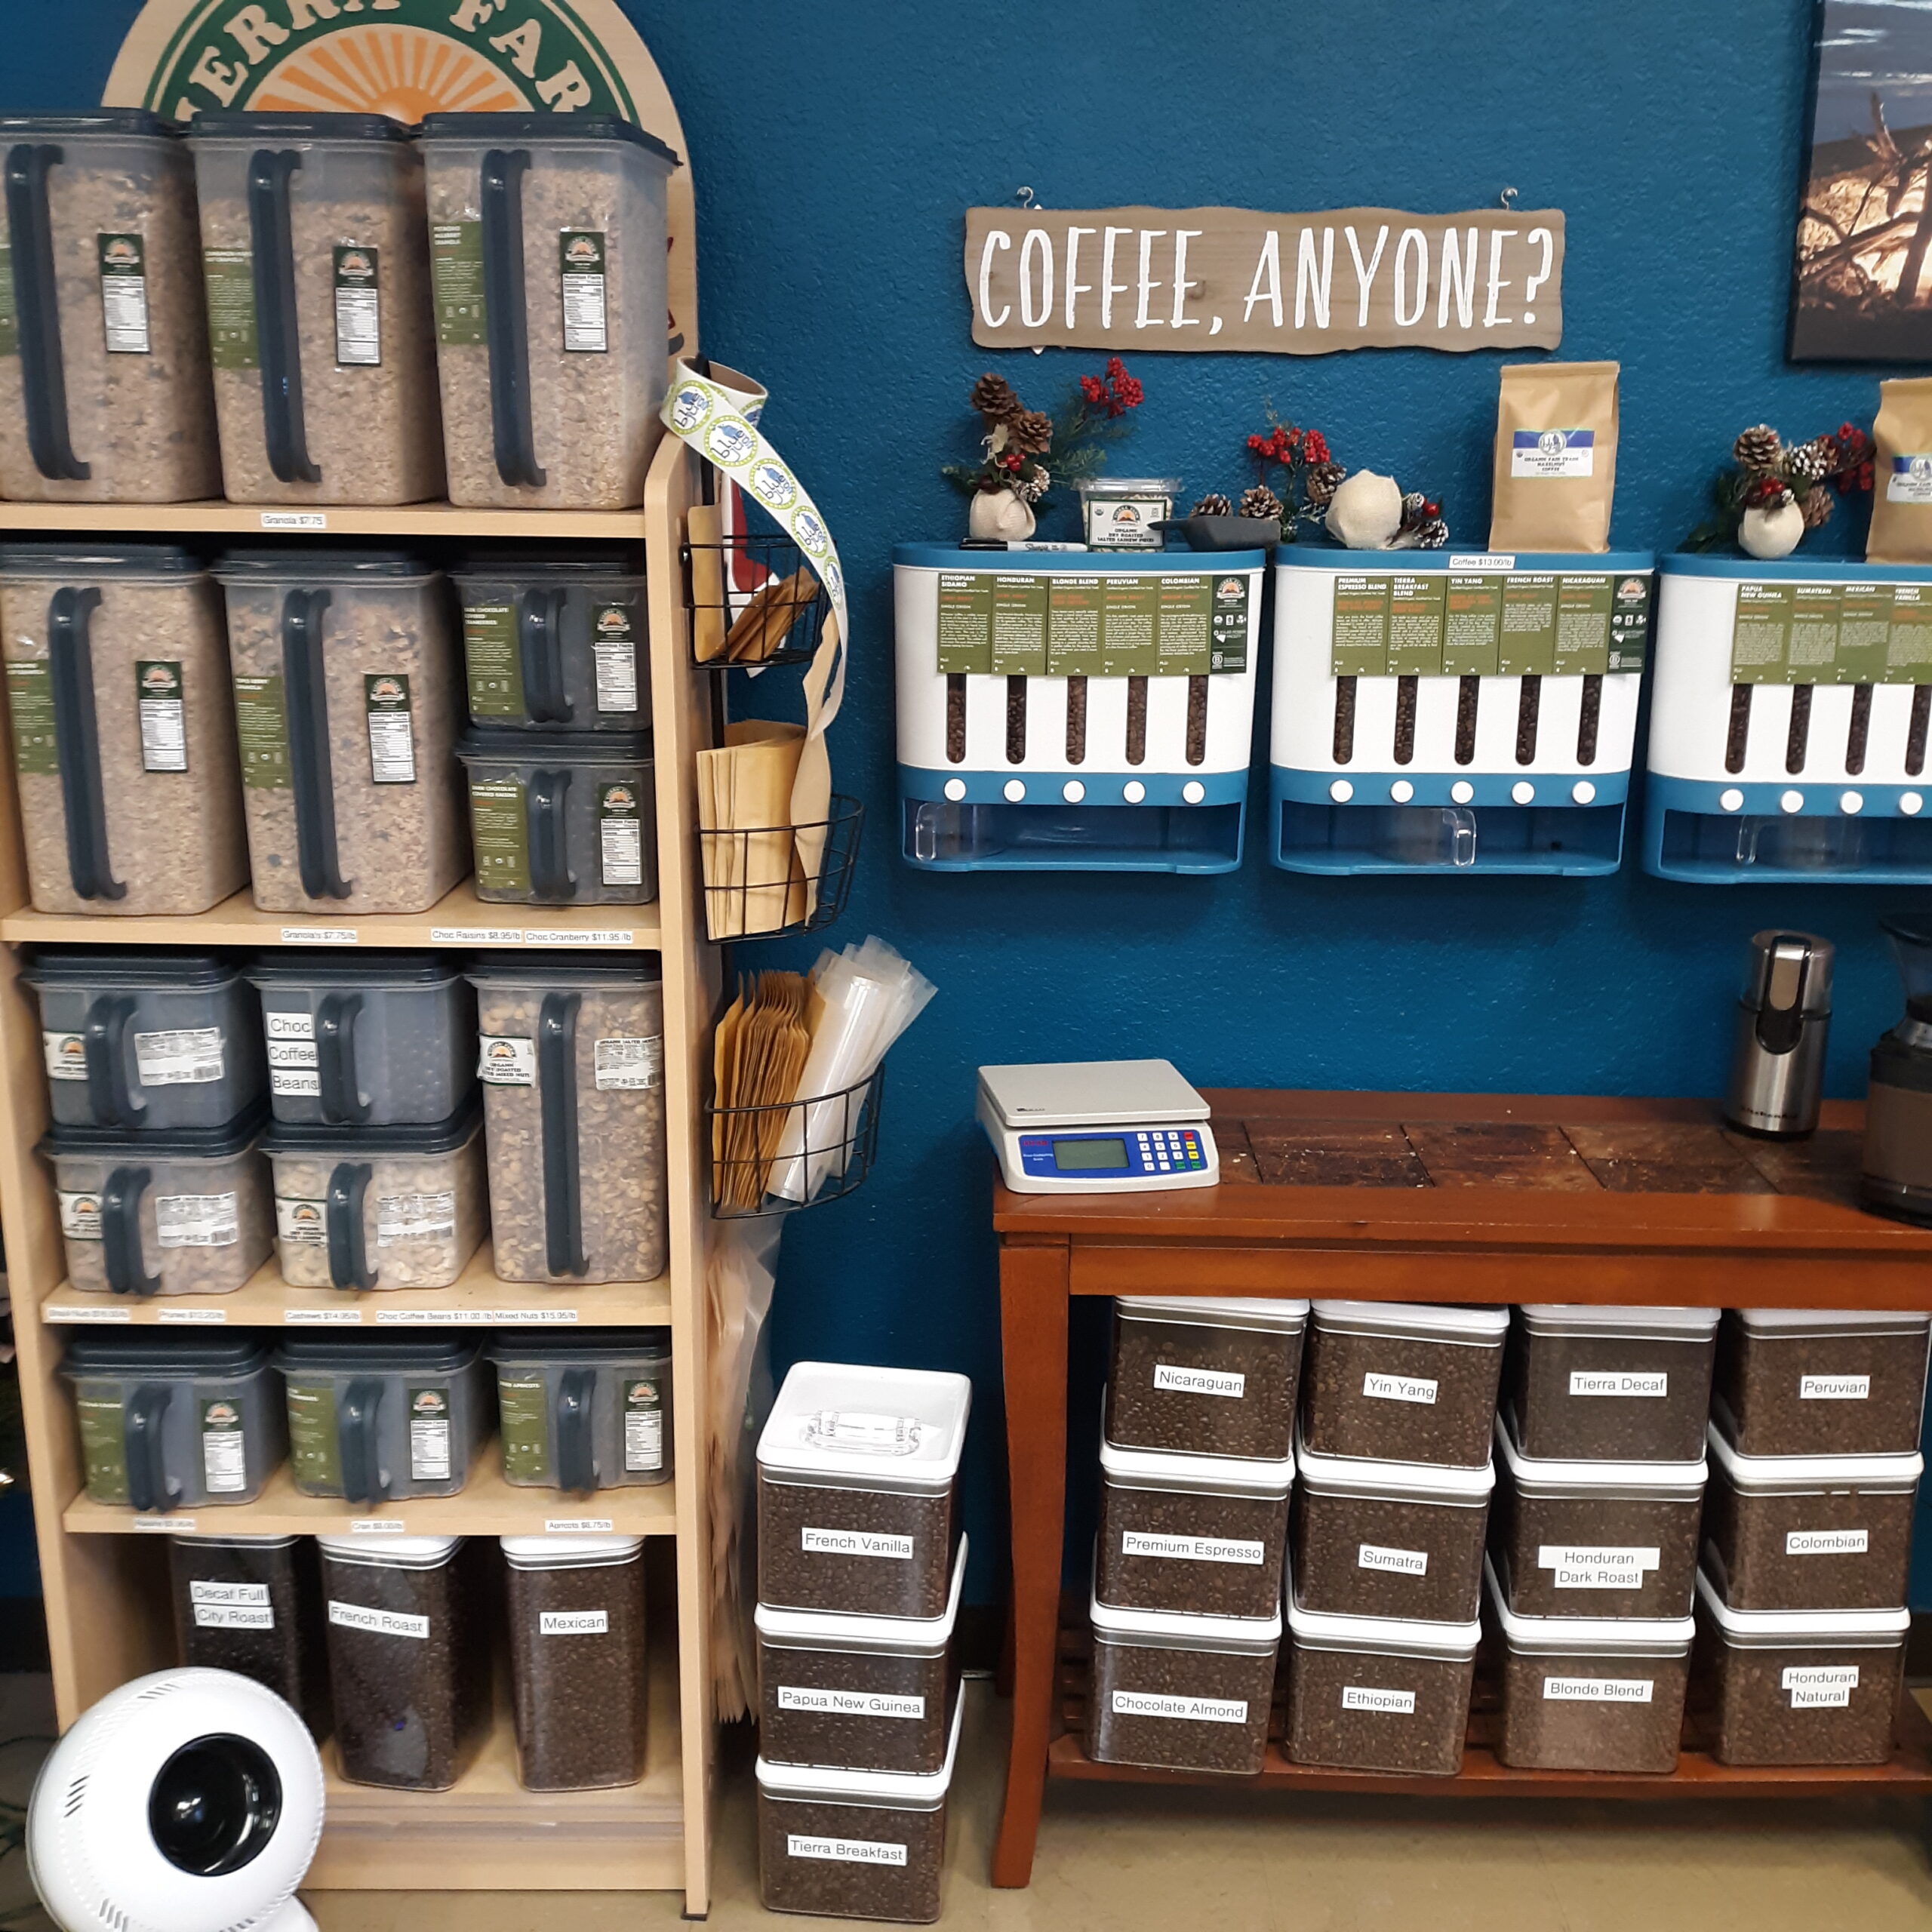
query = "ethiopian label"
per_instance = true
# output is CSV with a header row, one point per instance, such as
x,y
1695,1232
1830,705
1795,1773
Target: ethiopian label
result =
x,y
1911,480
1073,626
1541,454
844,1851
581,262
80,1215
620,834
1019,625
492,661
378,1622
392,742
30,700
1626,1382
1827,1543
573,1623
1472,628
500,831
849,1703
65,1055
1227,1381
965,627
856,1543
1189,1710
230,274
9,315
161,715
358,313
1400,1562
104,1446
506,1060
1833,1388
1526,641
1599,1689
261,728
1597,1566
644,1426
625,1065
294,1067
1191,1549
1825,1687
428,1217
613,653
456,283
428,1411
1368,1697
224,1460
523,1425
197,1220
1399,1388
1129,608
124,294
1183,639
181,1056
315,1448
300,1221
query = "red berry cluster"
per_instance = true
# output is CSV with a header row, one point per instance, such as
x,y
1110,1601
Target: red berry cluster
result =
x,y
1854,458
1766,491
1278,447
1431,510
1116,392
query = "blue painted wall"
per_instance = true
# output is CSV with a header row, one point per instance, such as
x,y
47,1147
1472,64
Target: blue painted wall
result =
x,y
835,148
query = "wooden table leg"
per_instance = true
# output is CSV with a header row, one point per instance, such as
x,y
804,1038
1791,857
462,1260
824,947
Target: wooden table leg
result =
x,y
1033,1322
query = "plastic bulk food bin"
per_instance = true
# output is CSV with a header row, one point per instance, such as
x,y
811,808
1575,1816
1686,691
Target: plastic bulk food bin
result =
x,y
375,1040
577,1670
123,731
171,1421
561,818
1591,1694
409,1668
1615,1385
585,1409
856,1469
374,1420
253,1604
572,1061
1205,1376
853,1844
869,1694
1390,1539
345,709
547,257
1804,1687
317,265
103,347
146,1038
550,641
151,1211
1399,1382
1821,1381
362,1207
1204,1535
1810,1532
1596,1538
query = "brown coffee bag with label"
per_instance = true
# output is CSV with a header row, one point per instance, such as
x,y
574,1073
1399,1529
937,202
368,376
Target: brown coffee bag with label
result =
x,y
1901,474
1555,457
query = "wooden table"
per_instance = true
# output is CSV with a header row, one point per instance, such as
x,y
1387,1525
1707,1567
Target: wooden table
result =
x,y
1436,1197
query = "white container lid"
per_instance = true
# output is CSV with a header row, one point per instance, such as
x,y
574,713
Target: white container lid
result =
x,y
1162,1468
235,1539
391,1552
1800,1629
893,1791
568,1552
1792,1322
1442,1322
1551,1475
1213,1311
1417,1482
911,1636
1588,1636
894,1427
1398,1636
1772,1474
1689,1325
1181,1630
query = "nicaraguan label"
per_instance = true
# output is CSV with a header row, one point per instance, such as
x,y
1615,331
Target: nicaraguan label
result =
x,y
507,1061
427,1217
844,1851
124,294
294,1067
1368,1697
392,741
849,1703
1598,1690
581,261
80,1215
103,1446
1191,1549
261,729
1200,1381
1399,1388
65,1055
358,309
1541,453
500,831
314,1447
613,652
179,1056
456,282
1191,1710
627,1065
1819,1687
644,1426
30,701
1827,1543
573,1623
197,1220
224,1458
1403,1562
230,274
428,1411
620,834
492,663
1910,480
381,1622
523,1425
1597,1566
162,714
1833,1388
300,1221
856,1543
1594,1381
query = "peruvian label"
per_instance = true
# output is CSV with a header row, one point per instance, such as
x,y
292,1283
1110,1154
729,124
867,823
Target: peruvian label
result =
x,y
1911,480
524,1423
65,1055
430,1217
856,1543
9,315
1184,638
1129,608
294,1067
1190,1710
104,1446
197,1220
301,1222
1229,1382
379,1622
162,714
849,1703
1399,1388
30,700
429,1413
844,1851
1472,636
494,665
1359,641
1368,1697
1831,634
1401,1562
80,1215
1597,1566
573,1623
359,312
965,622
581,262
1584,605
613,655
1526,645
500,831
1619,1382
181,1056
456,282
507,1061
1073,626
224,1461
1019,626
1191,1549
392,742
230,274
315,1448
1833,1388
620,834
261,729
124,294
1228,648
1827,1543
1825,1687
1539,455
644,1426
623,1065
1598,1690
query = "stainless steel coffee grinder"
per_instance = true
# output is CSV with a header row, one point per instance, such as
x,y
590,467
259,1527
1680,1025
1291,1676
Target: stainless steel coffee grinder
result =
x,y
1784,1017
1898,1103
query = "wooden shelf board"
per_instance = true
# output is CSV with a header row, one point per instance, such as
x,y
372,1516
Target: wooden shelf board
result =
x,y
430,519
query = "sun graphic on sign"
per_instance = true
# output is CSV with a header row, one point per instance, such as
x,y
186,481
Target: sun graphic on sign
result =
x,y
403,72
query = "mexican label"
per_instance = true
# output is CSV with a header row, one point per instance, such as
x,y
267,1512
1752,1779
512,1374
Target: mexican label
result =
x,y
456,283
381,1622
523,1422
124,294
392,742
1228,1382
620,834
1399,1388
65,1055
1129,609
573,1623
197,1220
315,1448
492,661
1366,1697
180,1056
965,629
1597,1566
613,653
424,1217
1471,632
161,714
294,1067
429,1412
1019,626
104,1446
506,1061
1073,626
1831,634
580,266
849,1703
844,1851
1400,1562
1526,641
1598,1690
230,274
9,315
1228,648
1827,1543
1819,1687
30,700
1191,1549
1540,454
644,1426
302,1223
1911,480
80,1215
359,312
224,1462
500,831
856,1543
261,729
625,1065
1189,1710
1833,1388
1619,1382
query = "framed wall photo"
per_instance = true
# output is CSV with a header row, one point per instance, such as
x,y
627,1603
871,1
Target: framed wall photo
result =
x,y
1862,274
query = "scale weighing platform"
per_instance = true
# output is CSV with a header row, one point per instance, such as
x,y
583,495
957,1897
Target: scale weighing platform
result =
x,y
1098,1126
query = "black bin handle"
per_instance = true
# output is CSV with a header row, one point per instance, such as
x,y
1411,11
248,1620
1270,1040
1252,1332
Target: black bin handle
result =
x,y
342,1103
357,1416
279,343
556,1080
104,1048
539,643
121,1232
551,878
37,307
342,1208
142,1420
576,1460
77,737
505,326
305,691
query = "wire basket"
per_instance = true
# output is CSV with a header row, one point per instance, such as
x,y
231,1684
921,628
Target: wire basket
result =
x,y
755,879
820,1148
752,599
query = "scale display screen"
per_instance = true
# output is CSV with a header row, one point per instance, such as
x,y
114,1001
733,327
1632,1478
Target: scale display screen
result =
x,y
1081,1156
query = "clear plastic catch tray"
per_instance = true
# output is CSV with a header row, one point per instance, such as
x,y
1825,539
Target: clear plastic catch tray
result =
x,y
1445,713
1086,712
1789,715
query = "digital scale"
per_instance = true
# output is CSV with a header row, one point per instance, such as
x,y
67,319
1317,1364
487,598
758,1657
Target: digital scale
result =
x,y
1098,1126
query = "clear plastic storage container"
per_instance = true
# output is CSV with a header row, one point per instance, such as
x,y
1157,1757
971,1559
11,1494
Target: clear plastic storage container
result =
x,y
151,1211
253,1604
572,1060
1204,1535
1591,1694
170,1421
561,818
857,1469
409,1665
584,1410
362,1207
547,256
870,1693
1401,1381
314,247
1807,1687
345,705
123,729
1201,1375
104,360
370,1040
554,641
1821,1381
1810,1532
577,1670
372,1419
1401,1540
146,1038
1612,1385
1596,1538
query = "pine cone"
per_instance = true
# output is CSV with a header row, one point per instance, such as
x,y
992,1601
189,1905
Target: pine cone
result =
x,y
1811,461
1757,450
1816,504
1032,432
1214,504
1319,480
1261,502
1035,487
992,396
1431,535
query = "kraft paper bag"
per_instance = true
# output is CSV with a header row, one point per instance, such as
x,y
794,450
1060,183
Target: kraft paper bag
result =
x,y
753,875
1555,469
1902,473
704,532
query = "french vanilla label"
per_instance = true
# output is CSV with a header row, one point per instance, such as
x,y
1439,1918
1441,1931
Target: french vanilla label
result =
x,y
856,1543
844,1851
1366,1697
1200,1381
184,1056
1819,1687
1399,1388
1190,1549
1833,1388
233,1616
197,1220
1911,480
1591,1382
381,1622
1598,1690
251,1595
1827,1543
1542,454
1403,1562
848,1703
1598,1566
1193,1710
573,1623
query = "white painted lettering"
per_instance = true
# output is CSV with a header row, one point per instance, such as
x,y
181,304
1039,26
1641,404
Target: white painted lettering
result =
x,y
1310,288
1497,280
521,44
1269,266
1147,283
1458,281
1109,288
996,237
1365,276
1038,242
1075,287
565,91
1182,284
1420,241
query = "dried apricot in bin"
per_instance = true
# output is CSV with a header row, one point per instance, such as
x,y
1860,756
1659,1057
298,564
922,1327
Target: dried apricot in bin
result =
x,y
1204,1376
1615,1385
1821,1381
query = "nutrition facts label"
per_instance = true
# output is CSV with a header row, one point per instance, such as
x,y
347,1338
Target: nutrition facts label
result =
x,y
183,1056
196,1220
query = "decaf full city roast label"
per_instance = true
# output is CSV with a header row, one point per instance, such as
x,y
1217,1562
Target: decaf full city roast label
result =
x,y
1002,624
1786,633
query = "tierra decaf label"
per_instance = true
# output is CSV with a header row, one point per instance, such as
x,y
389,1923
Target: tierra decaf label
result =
x,y
456,282
492,662
261,731
230,274
1831,634
30,699
500,830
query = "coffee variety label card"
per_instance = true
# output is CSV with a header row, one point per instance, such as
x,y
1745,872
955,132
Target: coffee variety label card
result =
x,y
1831,634
1002,624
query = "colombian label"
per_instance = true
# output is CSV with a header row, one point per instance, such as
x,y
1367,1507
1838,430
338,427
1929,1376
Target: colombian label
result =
x,y
1540,454
1819,1687
856,1543
1403,1562
162,714
224,1460
65,1055
230,275
1191,1710
456,282
849,1703
844,1851
1183,637
1911,480
232,1616
501,832
507,1062
1833,1388
1365,1697
492,663
181,1056
1191,1549
627,1065
429,1433
643,1427
30,700
1827,1543
429,1217
620,834
80,1215
196,1220
1399,1388
358,315
581,263
1597,1566
1592,1382
381,1622
302,1223
391,742
1598,1690
573,1623
1200,1381
261,729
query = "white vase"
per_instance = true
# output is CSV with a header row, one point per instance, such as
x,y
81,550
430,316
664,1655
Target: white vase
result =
x,y
1772,533
1001,514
